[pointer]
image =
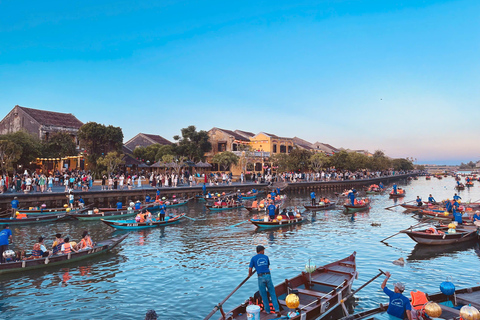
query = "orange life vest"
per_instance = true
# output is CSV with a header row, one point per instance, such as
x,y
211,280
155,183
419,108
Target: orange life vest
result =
x,y
68,247
254,204
86,242
419,299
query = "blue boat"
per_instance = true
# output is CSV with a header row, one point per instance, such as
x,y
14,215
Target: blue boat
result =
x,y
134,225
260,223
226,207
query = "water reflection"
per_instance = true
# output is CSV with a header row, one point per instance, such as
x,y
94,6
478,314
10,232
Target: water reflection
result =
x,y
425,252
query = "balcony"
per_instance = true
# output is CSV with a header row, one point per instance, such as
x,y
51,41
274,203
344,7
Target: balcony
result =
x,y
261,154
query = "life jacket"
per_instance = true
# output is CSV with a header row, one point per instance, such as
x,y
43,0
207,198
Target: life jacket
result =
x,y
326,201
86,242
68,247
58,247
37,252
21,216
419,299
257,299
254,204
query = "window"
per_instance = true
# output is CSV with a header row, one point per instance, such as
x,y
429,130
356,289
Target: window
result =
x,y
222,147
258,166
235,147
290,148
274,148
283,149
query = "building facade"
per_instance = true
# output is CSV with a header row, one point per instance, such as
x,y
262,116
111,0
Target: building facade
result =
x,y
145,140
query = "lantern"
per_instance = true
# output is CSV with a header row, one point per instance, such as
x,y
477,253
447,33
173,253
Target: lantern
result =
x,y
68,210
433,309
446,213
298,215
452,226
447,288
65,205
262,205
279,218
95,210
292,301
469,313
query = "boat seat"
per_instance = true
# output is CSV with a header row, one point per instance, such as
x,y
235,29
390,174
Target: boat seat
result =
x,y
449,309
283,303
315,294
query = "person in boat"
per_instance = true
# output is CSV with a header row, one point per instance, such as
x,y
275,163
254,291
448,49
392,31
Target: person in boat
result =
x,y
81,202
86,242
119,205
456,197
39,250
19,215
455,204
261,263
457,216
448,206
147,198
254,204
57,244
419,201
468,179
394,188
399,306
14,203
313,197
271,211
204,189
67,246
351,195
138,205
161,214
278,191
381,185
5,235
431,199
148,216
476,218
157,195
285,214
239,197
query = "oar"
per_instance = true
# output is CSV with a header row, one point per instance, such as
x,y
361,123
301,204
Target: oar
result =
x,y
219,306
237,224
190,218
407,229
400,204
342,301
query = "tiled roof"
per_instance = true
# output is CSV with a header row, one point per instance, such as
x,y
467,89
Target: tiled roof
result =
x,y
53,118
246,134
303,143
237,136
156,138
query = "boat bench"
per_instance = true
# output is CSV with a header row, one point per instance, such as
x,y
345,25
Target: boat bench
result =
x,y
315,294
449,310
283,303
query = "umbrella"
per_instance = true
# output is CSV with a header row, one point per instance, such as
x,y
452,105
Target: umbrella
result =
x,y
158,165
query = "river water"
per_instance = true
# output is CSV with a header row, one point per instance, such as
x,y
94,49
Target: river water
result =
x,y
183,271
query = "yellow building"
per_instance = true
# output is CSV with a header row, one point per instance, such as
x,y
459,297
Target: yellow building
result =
x,y
271,143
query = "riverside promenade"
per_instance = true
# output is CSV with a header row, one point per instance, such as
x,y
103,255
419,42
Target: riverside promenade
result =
x,y
108,198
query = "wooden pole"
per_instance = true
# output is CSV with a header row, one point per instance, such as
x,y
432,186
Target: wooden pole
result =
x,y
407,229
399,204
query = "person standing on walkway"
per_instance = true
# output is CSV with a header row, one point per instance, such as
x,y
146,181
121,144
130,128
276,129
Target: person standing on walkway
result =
x,y
5,235
313,196
399,306
261,263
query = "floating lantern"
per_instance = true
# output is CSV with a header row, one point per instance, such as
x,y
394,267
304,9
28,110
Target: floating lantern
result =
x,y
65,205
447,288
433,309
68,209
469,313
298,215
292,301
279,218
452,226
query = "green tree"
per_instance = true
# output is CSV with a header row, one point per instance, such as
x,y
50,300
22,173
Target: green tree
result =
x,y
339,160
111,161
153,152
193,144
225,159
402,164
318,161
356,161
60,144
30,145
10,152
298,159
168,149
380,161
281,161
98,140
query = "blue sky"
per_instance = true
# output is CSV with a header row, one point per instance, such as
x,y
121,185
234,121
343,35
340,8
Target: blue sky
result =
x,y
399,76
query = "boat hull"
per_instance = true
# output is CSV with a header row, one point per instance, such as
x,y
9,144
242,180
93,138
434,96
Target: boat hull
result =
x,y
109,215
424,238
350,208
35,219
283,223
133,225
318,208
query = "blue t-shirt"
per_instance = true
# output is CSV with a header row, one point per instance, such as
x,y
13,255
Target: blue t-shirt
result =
x,y
204,189
312,195
476,217
81,200
158,192
271,210
14,204
147,199
162,208
456,197
398,304
137,205
419,201
260,262
431,199
4,235
119,205
273,195
278,190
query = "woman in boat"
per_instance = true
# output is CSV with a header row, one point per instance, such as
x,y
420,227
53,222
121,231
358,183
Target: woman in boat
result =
x,y
86,242
57,244
39,250
67,246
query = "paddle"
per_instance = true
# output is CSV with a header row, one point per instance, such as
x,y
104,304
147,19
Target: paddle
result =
x,y
351,294
399,204
237,224
219,306
407,229
190,218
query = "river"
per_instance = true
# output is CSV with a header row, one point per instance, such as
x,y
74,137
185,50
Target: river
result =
x,y
183,271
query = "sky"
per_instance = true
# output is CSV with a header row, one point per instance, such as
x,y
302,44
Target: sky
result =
x,y
398,76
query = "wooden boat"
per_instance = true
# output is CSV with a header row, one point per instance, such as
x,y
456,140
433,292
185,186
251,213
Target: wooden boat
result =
x,y
227,207
414,207
466,296
258,209
91,215
443,237
357,207
55,260
397,195
460,187
169,204
428,178
35,219
260,223
469,184
250,196
45,211
373,192
134,225
440,214
318,207
318,293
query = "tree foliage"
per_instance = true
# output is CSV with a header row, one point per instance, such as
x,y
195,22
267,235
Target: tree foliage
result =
x,y
380,161
59,145
111,161
193,144
30,145
10,152
402,164
225,159
318,161
98,140
281,161
298,159
154,152
468,166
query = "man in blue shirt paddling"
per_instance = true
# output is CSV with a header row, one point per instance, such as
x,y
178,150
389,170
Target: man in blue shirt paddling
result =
x,y
5,234
399,305
456,197
394,188
313,196
351,195
271,211
419,201
204,189
431,199
261,264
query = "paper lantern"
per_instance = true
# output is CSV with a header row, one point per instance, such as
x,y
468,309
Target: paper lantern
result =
x,y
469,313
262,205
446,214
68,209
447,288
298,215
452,226
95,210
292,301
279,218
65,205
433,310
